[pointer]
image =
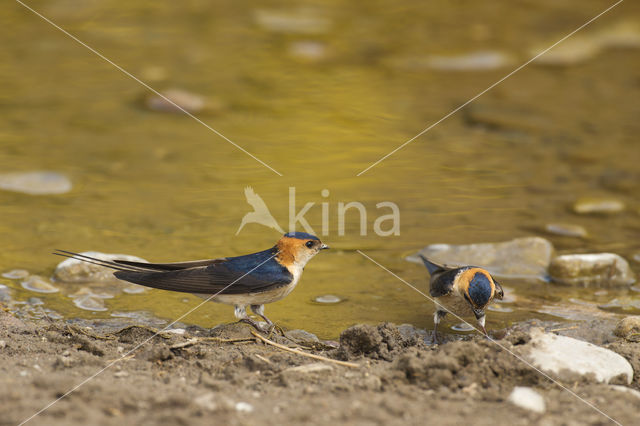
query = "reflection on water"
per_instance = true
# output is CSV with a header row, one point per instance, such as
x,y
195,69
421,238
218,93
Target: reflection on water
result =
x,y
318,94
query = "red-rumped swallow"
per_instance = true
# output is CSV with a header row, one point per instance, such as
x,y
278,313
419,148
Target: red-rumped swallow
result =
x,y
462,291
250,280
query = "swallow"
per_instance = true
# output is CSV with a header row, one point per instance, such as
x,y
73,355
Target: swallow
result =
x,y
250,280
260,213
463,291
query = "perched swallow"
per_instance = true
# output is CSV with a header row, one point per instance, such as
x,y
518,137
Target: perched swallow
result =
x,y
260,213
250,280
462,291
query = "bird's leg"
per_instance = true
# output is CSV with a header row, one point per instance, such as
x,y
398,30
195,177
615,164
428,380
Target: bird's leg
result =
x,y
259,310
240,312
436,320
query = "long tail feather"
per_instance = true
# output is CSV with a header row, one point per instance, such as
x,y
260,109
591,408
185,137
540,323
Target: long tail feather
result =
x,y
99,262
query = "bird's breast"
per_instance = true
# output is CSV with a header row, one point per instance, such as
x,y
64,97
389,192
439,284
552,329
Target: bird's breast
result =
x,y
455,303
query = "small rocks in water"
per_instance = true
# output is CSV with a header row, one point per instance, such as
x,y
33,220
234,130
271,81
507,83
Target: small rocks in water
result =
x,y
564,356
76,271
566,230
16,274
86,299
134,289
575,50
35,183
327,298
308,50
302,21
474,61
598,206
38,284
628,328
462,327
520,258
607,269
190,102
527,398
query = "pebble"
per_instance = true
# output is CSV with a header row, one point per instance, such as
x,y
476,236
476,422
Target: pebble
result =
x,y
16,274
327,298
244,407
606,269
628,327
35,183
308,50
134,289
121,374
76,271
575,50
190,102
519,258
474,61
563,356
527,398
598,206
90,303
38,284
636,257
301,21
462,327
316,367
566,230
3,344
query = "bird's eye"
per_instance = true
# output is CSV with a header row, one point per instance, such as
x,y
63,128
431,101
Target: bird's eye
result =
x,y
309,244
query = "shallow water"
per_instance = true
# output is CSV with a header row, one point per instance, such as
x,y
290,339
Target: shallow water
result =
x,y
163,187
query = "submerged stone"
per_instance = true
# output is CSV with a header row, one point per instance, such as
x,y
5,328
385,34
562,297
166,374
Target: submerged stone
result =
x,y
308,50
39,284
598,269
15,274
473,61
598,206
327,298
190,102
300,21
564,357
566,230
519,258
35,183
76,271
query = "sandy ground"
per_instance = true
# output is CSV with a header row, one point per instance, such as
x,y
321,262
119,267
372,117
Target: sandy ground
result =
x,y
193,379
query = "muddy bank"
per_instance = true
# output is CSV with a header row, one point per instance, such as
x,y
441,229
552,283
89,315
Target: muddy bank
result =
x,y
225,375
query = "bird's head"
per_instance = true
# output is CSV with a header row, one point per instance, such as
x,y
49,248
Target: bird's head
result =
x,y
478,288
298,248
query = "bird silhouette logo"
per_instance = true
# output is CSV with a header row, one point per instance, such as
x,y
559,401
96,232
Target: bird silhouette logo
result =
x,y
260,214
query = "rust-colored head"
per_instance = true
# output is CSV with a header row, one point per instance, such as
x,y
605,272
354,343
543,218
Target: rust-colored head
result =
x,y
296,248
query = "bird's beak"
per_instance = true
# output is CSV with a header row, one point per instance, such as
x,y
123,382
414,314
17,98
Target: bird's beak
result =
x,y
324,247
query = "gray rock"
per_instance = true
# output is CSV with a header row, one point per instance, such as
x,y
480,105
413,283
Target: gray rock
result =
x,y
628,327
598,269
16,274
473,61
39,284
35,183
302,337
299,21
564,357
566,230
527,398
598,206
327,298
190,102
520,258
76,271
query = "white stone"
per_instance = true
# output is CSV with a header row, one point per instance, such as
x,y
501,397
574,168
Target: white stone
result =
x,y
607,269
38,284
244,407
559,355
35,183
315,367
527,398
524,258
76,271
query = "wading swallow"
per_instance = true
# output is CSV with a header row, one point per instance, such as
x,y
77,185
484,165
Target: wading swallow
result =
x,y
463,291
250,280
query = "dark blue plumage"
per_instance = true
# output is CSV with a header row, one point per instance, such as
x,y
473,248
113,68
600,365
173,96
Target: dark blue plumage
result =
x,y
480,290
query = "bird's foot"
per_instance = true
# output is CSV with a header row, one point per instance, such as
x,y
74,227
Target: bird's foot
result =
x,y
274,327
253,324
434,338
